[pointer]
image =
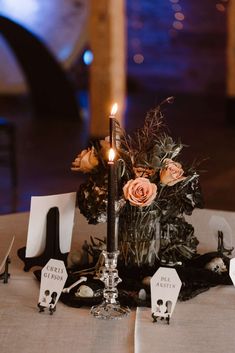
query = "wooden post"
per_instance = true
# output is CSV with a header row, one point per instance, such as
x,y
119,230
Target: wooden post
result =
x,y
107,38
230,55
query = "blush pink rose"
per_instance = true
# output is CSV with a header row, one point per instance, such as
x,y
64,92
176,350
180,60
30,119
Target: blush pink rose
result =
x,y
85,161
171,173
140,192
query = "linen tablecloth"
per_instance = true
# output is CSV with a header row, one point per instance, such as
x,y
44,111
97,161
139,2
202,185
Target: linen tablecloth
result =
x,y
202,324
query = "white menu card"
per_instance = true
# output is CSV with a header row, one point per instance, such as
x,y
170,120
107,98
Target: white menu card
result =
x,y
40,206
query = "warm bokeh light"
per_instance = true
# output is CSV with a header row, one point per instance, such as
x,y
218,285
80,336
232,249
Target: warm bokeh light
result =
x,y
138,58
176,7
179,16
177,25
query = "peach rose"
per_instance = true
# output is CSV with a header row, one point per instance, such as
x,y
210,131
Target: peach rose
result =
x,y
140,192
171,173
85,161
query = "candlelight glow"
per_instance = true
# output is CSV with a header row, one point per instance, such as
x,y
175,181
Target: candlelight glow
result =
x,y
111,155
114,109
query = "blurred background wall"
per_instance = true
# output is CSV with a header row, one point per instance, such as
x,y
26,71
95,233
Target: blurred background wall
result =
x,y
173,47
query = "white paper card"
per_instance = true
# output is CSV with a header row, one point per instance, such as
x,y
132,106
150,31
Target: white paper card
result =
x,y
53,278
165,288
40,205
232,270
6,254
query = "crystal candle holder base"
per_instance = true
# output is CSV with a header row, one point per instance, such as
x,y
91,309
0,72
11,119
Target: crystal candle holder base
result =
x,y
110,308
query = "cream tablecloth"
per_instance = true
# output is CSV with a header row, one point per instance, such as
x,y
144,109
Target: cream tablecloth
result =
x,y
203,324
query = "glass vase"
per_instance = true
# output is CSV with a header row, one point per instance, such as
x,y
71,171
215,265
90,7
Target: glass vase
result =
x,y
178,242
139,236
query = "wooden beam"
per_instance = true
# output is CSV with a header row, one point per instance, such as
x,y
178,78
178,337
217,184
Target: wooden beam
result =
x,y
230,57
107,38
231,49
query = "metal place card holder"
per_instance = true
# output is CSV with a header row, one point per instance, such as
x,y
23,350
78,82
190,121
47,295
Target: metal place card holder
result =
x,y
52,247
5,275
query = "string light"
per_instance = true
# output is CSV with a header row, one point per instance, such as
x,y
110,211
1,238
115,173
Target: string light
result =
x,y
179,18
177,25
138,58
176,7
136,24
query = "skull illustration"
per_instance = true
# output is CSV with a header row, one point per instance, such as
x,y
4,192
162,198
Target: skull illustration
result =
x,y
216,265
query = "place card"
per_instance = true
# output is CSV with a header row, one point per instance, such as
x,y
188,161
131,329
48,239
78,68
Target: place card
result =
x,y
53,278
39,208
165,287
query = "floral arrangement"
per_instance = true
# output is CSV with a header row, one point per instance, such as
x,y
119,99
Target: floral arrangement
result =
x,y
154,192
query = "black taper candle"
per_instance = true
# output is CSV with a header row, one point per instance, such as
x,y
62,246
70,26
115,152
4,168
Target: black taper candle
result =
x,y
112,241
112,127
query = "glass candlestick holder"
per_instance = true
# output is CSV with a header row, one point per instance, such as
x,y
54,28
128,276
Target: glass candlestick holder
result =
x,y
110,308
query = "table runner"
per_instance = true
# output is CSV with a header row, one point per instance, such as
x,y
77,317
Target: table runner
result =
x,y
202,324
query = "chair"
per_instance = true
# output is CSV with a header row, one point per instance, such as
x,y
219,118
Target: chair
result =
x,y
8,148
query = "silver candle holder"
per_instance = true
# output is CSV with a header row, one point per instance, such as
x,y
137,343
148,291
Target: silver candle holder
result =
x,y
110,308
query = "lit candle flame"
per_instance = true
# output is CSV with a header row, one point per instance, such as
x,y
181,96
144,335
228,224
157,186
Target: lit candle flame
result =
x,y
111,155
114,109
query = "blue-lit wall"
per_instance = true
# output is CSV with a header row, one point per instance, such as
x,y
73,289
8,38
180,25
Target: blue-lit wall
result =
x,y
173,45
178,45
